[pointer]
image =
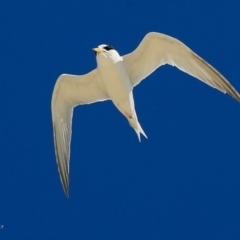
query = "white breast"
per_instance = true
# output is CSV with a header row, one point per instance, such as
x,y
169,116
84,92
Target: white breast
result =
x,y
116,80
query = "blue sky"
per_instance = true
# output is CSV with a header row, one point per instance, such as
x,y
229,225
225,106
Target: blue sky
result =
x,y
181,183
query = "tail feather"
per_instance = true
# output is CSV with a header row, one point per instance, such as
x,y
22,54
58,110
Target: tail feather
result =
x,y
139,134
133,121
138,129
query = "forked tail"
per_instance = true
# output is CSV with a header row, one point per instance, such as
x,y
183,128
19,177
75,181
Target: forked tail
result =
x,y
140,131
137,127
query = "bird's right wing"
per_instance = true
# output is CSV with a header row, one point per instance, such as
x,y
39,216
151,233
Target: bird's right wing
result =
x,y
70,91
157,49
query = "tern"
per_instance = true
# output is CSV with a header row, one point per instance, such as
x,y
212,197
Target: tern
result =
x,y
114,79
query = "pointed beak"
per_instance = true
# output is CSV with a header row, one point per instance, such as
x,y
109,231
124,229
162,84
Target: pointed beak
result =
x,y
97,50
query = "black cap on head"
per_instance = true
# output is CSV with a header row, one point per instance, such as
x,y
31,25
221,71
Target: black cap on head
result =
x,y
108,47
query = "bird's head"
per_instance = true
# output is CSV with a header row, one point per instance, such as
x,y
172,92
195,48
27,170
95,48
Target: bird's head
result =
x,y
106,50
103,48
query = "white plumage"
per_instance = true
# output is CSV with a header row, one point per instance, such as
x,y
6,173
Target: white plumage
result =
x,y
114,78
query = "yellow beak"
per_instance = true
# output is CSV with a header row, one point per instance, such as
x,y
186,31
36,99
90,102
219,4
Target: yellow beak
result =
x,y
97,50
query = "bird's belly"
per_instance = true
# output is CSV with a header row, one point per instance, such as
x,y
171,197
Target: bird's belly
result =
x,y
118,86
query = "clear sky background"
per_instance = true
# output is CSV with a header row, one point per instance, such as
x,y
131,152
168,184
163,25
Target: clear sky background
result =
x,y
181,183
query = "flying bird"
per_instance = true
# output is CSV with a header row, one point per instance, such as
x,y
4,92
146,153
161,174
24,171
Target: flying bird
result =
x,y
114,79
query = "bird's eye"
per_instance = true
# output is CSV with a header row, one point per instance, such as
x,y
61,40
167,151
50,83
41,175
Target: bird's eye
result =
x,y
108,48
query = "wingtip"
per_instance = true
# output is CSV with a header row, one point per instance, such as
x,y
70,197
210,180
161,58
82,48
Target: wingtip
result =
x,y
65,185
237,97
66,191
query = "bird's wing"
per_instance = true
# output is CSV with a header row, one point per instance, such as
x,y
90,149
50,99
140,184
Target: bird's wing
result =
x,y
70,91
157,49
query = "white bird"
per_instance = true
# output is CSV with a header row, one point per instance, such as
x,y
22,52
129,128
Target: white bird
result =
x,y
114,79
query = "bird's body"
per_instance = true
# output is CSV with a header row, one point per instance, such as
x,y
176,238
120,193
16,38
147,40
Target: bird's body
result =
x,y
114,79
117,83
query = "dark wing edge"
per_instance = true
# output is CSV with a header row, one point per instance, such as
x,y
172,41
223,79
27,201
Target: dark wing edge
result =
x,y
157,49
62,140
70,91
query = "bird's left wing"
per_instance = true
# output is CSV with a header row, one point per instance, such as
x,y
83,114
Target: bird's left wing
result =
x,y
70,91
157,49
